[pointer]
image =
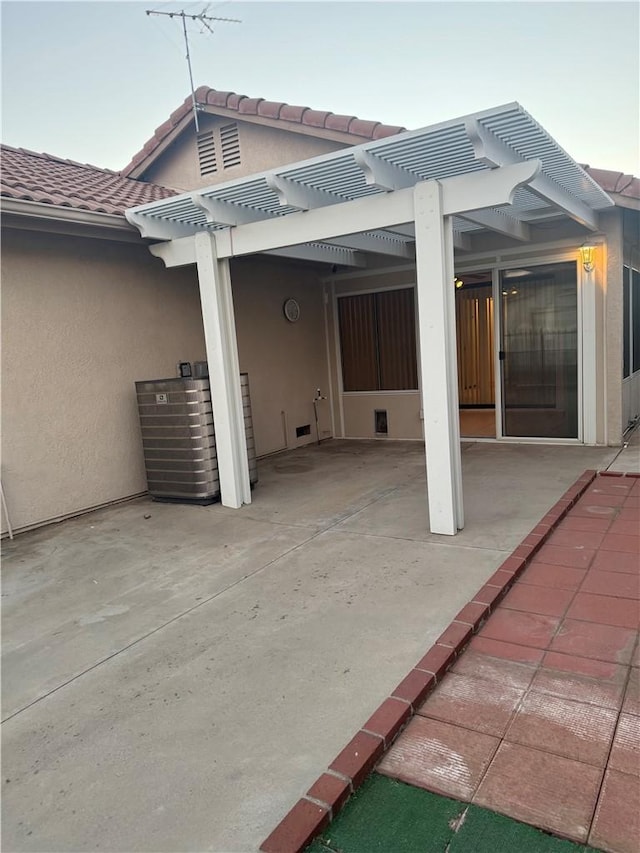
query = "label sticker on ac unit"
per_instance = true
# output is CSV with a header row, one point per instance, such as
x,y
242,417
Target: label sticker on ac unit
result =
x,y
162,398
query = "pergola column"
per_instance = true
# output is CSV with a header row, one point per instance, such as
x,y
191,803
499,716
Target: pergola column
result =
x,y
438,358
224,371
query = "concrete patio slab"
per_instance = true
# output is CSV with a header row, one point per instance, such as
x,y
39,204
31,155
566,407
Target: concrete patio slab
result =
x,y
176,682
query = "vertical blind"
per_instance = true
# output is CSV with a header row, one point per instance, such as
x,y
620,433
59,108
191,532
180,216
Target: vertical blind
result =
x,y
378,341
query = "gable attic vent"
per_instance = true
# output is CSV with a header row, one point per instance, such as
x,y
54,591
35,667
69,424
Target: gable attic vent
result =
x,y
207,153
230,144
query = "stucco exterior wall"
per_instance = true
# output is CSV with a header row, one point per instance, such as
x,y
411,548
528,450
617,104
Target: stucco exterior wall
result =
x,y
82,320
611,221
286,362
261,148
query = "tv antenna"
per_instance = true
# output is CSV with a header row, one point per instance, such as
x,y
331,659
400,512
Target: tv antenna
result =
x,y
204,20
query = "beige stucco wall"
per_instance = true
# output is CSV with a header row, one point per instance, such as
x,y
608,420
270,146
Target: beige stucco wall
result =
x,y
286,362
611,222
261,148
82,320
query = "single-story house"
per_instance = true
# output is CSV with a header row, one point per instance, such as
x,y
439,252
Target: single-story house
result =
x,y
469,278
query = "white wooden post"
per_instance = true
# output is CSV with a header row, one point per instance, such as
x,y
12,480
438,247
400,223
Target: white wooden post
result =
x,y
438,358
224,372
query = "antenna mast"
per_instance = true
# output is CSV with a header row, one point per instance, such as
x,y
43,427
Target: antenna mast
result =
x,y
204,19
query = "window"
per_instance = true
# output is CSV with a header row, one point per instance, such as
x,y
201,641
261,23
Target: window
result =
x,y
630,321
378,341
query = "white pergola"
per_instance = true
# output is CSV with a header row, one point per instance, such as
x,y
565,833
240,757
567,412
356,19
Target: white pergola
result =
x,y
420,193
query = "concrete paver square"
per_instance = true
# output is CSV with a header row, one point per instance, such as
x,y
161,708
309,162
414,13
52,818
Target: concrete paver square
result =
x,y
625,752
440,757
575,557
478,704
616,825
552,577
548,791
621,542
569,538
494,669
507,651
586,639
616,561
614,584
534,599
606,692
564,727
526,629
605,610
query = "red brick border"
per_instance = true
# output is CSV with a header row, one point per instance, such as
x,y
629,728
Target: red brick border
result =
x,y
348,770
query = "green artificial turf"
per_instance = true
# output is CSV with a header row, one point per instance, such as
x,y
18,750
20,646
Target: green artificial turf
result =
x,y
487,832
387,816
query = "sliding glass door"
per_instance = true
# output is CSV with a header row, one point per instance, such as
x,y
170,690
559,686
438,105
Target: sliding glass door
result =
x,y
539,351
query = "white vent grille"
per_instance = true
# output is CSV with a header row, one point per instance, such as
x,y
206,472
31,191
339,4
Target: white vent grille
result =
x,y
207,153
230,144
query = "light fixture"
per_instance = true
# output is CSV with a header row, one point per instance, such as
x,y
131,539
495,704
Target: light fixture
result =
x,y
587,256
458,282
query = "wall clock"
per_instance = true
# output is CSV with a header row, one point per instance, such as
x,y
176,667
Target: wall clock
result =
x,y
291,310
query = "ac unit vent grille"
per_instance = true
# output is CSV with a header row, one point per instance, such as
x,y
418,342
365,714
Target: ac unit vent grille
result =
x,y
207,153
230,144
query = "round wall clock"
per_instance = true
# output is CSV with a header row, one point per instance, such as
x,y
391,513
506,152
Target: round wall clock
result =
x,y
291,310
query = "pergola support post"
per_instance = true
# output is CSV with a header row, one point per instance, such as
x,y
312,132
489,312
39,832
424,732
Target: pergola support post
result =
x,y
438,359
224,372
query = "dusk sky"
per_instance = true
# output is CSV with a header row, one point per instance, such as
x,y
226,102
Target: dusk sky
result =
x,y
92,80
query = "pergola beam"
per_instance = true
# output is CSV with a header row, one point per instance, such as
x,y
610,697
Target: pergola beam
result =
x,y
385,176
496,220
494,153
224,213
345,257
154,228
293,194
460,194
376,244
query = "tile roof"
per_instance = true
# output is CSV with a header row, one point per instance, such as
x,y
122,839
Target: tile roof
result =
x,y
278,110
64,183
615,182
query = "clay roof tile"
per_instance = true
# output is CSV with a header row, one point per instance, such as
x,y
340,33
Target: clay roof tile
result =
x,y
292,113
270,109
214,97
338,122
233,101
383,130
363,128
315,118
47,179
249,106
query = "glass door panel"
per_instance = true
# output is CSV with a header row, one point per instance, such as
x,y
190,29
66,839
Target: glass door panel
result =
x,y
539,351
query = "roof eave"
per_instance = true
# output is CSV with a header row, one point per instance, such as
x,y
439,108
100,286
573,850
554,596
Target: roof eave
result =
x,y
39,216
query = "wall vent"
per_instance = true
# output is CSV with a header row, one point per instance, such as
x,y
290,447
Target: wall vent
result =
x,y
207,153
303,430
230,145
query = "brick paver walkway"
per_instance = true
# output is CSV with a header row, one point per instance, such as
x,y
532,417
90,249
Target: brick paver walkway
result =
x,y
539,718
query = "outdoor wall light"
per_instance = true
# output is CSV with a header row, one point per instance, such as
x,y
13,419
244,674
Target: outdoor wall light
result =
x,y
458,282
587,256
